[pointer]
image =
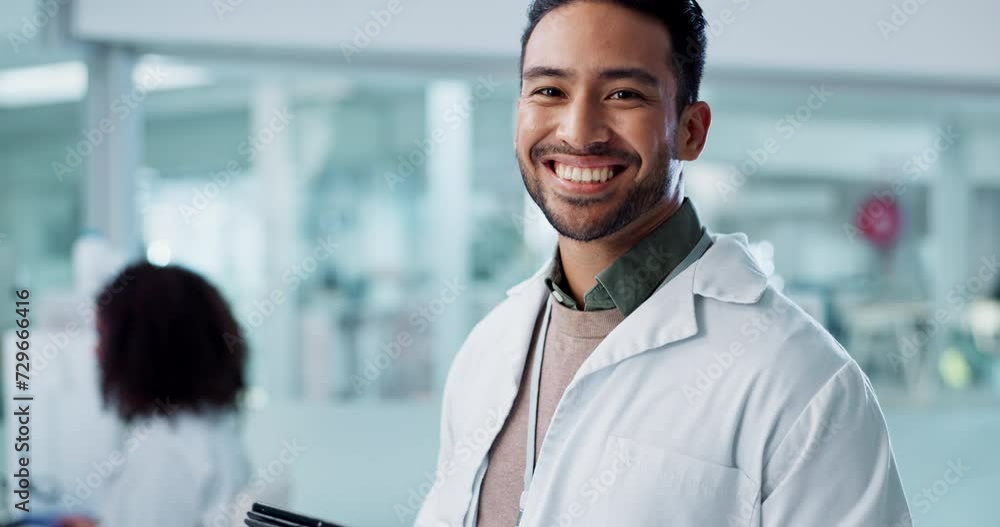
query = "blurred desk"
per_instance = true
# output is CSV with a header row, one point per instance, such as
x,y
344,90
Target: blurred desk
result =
x,y
886,334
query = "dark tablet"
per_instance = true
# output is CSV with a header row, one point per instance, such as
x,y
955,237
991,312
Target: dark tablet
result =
x,y
270,521
262,513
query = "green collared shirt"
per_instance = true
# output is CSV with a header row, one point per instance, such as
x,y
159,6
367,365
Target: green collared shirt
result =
x,y
632,278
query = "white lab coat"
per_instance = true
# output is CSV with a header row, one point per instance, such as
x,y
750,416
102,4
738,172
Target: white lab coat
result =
x,y
184,473
718,402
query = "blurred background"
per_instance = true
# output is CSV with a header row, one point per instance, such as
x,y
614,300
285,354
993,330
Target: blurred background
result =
x,y
344,172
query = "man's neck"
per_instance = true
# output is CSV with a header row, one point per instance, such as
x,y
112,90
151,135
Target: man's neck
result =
x,y
583,261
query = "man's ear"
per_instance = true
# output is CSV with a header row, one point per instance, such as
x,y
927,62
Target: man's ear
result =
x,y
692,130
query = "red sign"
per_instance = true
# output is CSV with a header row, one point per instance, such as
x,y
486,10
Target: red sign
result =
x,y
880,221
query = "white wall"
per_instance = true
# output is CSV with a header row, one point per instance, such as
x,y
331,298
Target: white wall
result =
x,y
953,38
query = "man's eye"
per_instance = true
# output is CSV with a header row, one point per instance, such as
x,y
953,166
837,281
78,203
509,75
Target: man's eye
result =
x,y
625,95
548,92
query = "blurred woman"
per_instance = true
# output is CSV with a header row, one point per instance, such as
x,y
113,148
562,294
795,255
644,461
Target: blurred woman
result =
x,y
172,361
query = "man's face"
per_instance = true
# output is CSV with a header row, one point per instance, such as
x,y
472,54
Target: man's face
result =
x,y
597,118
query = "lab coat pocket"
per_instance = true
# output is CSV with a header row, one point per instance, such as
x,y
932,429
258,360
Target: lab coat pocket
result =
x,y
665,488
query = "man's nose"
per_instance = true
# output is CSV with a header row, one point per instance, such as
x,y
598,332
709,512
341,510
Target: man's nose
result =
x,y
583,123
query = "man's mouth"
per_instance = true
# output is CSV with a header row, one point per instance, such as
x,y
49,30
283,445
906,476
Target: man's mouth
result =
x,y
588,174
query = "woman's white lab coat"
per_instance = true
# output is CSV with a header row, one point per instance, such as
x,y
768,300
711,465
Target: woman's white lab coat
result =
x,y
183,472
717,402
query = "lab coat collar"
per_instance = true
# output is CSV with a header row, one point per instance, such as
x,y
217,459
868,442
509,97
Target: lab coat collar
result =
x,y
729,272
726,272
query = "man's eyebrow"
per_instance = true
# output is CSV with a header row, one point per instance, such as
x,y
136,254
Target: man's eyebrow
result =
x,y
637,74
536,72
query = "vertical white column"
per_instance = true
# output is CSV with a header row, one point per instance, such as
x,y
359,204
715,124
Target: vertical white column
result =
x,y
113,132
950,202
449,172
277,354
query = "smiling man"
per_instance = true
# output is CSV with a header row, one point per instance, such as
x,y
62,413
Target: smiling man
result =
x,y
646,374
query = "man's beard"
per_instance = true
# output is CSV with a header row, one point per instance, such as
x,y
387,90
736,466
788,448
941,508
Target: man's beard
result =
x,y
640,198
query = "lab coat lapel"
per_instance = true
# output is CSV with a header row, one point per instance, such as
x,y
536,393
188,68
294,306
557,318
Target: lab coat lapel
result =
x,y
508,340
727,272
521,314
665,317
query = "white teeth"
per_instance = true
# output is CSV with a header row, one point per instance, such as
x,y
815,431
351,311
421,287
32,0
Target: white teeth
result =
x,y
584,175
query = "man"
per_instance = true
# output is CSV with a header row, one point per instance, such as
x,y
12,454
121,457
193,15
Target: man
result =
x,y
646,375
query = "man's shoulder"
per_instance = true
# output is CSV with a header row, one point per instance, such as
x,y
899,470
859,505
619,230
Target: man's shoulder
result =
x,y
776,335
788,354
778,361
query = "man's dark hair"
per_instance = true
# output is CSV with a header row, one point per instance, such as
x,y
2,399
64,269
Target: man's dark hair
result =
x,y
683,19
168,341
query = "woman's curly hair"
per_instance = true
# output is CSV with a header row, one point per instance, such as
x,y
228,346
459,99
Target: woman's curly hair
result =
x,y
168,341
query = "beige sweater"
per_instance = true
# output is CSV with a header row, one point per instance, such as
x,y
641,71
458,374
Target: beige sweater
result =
x,y
572,337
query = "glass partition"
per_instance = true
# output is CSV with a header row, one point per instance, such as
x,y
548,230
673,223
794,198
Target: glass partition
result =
x,y
42,152
363,223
